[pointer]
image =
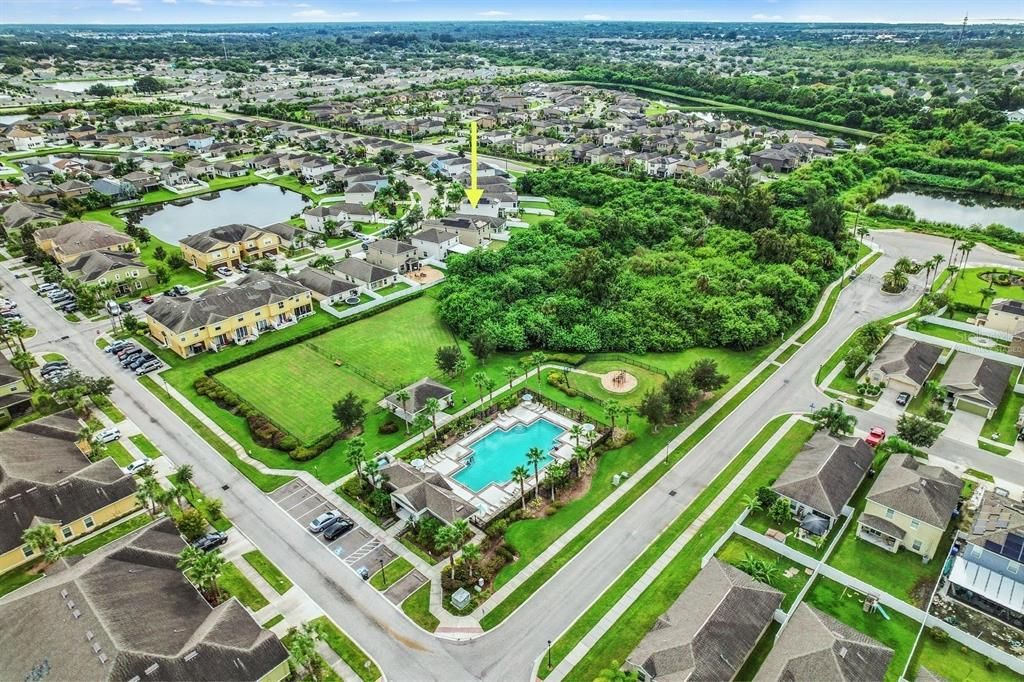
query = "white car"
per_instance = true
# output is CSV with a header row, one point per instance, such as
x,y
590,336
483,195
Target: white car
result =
x,y
322,521
136,466
224,271
108,435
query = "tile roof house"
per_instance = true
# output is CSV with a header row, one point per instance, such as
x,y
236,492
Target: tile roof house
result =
x,y
904,364
909,505
415,493
710,631
67,242
976,384
816,646
434,243
45,478
988,572
821,479
126,612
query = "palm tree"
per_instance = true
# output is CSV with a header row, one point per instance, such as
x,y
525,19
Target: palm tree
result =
x,y
956,235
904,264
613,410
471,555
936,261
147,493
535,456
952,273
432,407
183,476
447,540
356,455
302,647
861,231
370,467
520,475
17,330
702,282
24,362
834,419
404,397
751,502
966,249
895,281
510,373
206,572
420,423
42,539
580,455
576,432
537,358
480,381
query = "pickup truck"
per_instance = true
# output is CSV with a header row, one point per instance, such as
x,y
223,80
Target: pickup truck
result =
x,y
875,436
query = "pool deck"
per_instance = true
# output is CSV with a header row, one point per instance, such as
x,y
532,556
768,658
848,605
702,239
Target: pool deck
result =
x,y
495,497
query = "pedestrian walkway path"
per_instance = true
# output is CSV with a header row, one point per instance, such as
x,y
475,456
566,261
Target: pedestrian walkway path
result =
x,y
620,607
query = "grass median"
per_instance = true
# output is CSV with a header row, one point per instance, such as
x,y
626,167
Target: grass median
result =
x,y
354,657
268,571
576,545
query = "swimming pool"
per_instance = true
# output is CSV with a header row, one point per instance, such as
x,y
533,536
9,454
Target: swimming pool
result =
x,y
493,457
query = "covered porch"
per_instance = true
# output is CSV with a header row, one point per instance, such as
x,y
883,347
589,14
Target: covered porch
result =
x,y
880,532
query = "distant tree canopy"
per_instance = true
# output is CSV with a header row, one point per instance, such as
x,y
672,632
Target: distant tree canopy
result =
x,y
641,268
149,84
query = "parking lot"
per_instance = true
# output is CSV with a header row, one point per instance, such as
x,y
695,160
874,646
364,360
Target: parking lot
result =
x,y
357,548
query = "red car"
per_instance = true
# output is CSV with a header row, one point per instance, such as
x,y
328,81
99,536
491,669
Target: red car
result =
x,y
147,299
875,436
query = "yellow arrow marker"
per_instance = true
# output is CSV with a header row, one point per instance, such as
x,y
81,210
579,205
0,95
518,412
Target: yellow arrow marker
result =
x,y
473,194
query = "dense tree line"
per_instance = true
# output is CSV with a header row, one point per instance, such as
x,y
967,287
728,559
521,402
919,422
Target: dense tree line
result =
x,y
645,266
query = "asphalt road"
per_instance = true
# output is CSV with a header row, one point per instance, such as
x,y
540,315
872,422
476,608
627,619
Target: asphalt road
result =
x,y
508,652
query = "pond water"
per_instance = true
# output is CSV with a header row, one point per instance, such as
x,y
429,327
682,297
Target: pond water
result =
x,y
12,118
82,86
959,208
258,205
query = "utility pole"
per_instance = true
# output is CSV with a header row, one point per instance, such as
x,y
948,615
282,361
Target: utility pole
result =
x,y
963,30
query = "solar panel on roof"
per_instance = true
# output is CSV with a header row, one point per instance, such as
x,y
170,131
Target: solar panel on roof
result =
x,y
993,546
1014,538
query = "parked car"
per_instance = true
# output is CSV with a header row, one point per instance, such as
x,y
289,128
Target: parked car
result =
x,y
55,374
136,466
181,289
338,528
903,398
46,288
171,292
69,307
123,352
148,367
54,364
875,436
131,357
242,267
116,346
224,271
324,520
108,435
210,541
125,307
147,299
139,360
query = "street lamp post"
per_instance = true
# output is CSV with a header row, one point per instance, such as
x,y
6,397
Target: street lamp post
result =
x,y
549,654
383,574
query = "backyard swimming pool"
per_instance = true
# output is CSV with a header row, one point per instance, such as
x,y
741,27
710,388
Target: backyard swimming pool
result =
x,y
493,457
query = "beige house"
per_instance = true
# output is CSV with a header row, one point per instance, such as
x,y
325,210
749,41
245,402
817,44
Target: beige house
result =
x,y
226,315
1005,315
910,505
123,271
15,398
903,364
393,255
366,276
47,479
67,242
976,384
228,245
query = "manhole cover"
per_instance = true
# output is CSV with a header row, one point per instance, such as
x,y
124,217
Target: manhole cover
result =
x,y
671,493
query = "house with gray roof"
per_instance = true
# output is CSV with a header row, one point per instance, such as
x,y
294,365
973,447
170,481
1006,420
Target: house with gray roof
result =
x,y
903,364
815,646
710,631
15,398
326,285
976,384
415,493
394,255
419,394
434,243
18,214
126,612
124,271
988,571
821,479
909,506
365,275
46,479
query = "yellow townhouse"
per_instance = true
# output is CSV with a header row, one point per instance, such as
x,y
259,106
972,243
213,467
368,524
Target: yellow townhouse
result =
x,y
65,243
261,301
15,398
910,505
228,245
47,479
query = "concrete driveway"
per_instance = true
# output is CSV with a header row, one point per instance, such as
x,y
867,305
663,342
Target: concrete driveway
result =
x,y
886,404
965,427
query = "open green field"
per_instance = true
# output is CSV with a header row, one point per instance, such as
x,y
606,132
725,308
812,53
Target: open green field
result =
x,y
950,661
968,286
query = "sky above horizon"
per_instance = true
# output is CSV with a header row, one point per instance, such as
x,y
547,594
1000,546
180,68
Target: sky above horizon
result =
x,y
290,11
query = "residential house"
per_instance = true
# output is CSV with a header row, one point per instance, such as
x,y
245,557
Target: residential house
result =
x,y
228,245
126,612
287,233
15,398
224,315
909,506
366,276
434,243
228,169
341,212
472,230
1004,315
327,286
199,168
416,493
314,167
820,481
115,188
67,242
710,631
124,271
775,159
988,569
26,139
976,384
172,176
142,182
17,215
360,193
47,479
816,646
199,141
393,255
30,191
72,189
903,364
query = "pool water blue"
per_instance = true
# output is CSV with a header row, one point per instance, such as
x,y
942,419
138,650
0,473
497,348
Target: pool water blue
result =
x,y
494,456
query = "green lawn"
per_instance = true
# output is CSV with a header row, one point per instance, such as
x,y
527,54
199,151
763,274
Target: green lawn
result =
x,y
393,289
237,585
898,632
108,535
144,444
1003,424
951,661
951,334
737,548
52,357
327,675
417,607
646,381
354,657
394,571
19,577
119,453
968,287
268,571
273,621
108,408
759,521
994,449
630,628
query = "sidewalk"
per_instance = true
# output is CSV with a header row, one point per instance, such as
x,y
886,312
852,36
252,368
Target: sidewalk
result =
x,y
620,607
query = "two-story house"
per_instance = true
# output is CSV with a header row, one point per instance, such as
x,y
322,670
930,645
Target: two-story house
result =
x,y
228,245
15,399
67,242
393,255
124,271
